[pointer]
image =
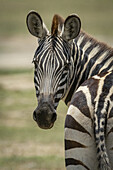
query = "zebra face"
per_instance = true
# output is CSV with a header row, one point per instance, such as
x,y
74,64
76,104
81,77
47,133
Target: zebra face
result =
x,y
53,62
52,76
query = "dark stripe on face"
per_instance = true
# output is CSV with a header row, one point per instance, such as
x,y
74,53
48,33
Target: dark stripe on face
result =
x,y
79,101
73,144
71,161
73,124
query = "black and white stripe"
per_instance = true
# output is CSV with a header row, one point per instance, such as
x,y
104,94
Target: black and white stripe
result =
x,y
67,61
89,121
53,68
92,58
89,125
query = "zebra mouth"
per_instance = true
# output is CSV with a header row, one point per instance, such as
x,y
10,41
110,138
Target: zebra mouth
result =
x,y
46,126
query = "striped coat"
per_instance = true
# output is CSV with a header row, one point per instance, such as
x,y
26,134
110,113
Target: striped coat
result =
x,y
72,65
89,120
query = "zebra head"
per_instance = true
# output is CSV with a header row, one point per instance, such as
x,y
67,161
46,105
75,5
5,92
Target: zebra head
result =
x,y
53,62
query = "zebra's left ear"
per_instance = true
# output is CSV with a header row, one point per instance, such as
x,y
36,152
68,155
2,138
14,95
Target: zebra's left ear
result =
x,y
36,25
71,28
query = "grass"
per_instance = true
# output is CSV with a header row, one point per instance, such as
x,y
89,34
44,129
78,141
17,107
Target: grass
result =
x,y
15,71
22,143
33,163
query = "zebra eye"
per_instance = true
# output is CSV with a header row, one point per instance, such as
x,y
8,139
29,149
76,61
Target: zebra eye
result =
x,y
33,61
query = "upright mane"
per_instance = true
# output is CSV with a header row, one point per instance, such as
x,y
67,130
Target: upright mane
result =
x,y
57,24
94,42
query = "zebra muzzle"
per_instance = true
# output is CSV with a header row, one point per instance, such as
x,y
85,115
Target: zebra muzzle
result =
x,y
45,115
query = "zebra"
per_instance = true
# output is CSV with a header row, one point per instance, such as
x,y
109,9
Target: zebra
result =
x,y
54,64
73,66
89,124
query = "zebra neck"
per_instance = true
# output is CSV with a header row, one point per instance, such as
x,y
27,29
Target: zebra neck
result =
x,y
92,58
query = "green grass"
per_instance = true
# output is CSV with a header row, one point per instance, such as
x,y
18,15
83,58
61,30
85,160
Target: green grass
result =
x,y
15,71
29,132
16,100
22,143
33,163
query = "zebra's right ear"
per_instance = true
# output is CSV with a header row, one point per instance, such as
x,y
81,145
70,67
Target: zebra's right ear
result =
x,y
35,25
72,26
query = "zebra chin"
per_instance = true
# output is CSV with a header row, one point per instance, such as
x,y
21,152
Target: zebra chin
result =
x,y
45,115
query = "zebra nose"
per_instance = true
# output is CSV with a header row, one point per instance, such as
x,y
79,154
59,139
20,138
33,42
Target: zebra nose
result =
x,y
53,116
44,116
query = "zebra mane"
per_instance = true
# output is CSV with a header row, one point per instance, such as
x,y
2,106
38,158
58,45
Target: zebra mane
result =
x,y
103,46
57,24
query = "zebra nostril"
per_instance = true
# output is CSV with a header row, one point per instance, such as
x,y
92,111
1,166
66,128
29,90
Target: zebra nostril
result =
x,y
34,115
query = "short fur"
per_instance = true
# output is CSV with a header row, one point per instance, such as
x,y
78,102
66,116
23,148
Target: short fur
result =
x,y
57,24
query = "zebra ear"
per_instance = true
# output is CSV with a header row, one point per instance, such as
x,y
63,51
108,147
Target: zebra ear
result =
x,y
71,28
35,25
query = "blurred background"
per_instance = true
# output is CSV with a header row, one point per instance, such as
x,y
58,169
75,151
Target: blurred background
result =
x,y
23,146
